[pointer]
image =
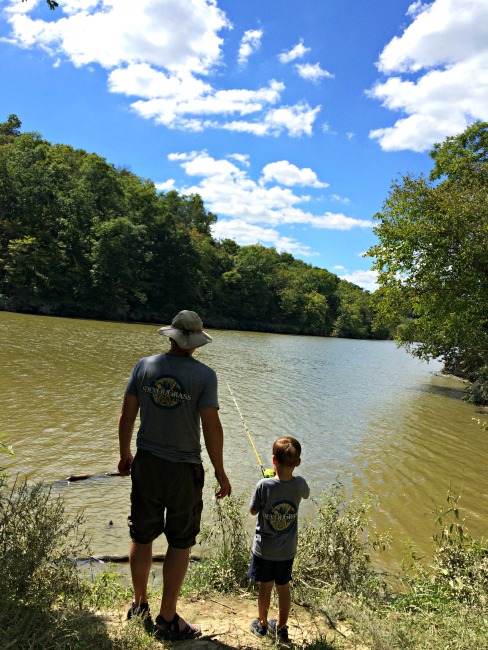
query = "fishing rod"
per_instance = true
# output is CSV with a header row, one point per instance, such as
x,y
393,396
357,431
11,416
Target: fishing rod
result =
x,y
267,473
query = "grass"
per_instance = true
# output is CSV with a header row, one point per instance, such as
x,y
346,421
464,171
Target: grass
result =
x,y
47,603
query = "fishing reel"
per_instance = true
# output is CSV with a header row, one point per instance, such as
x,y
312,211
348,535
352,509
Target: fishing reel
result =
x,y
268,473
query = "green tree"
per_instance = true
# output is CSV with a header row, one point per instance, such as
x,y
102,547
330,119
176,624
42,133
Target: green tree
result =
x,y
432,257
308,297
10,129
355,312
251,286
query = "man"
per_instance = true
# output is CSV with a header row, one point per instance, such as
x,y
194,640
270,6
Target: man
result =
x,y
175,394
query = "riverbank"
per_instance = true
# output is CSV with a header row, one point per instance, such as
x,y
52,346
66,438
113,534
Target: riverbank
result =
x,y
225,619
340,602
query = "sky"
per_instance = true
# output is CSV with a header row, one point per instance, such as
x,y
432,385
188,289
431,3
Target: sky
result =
x,y
290,119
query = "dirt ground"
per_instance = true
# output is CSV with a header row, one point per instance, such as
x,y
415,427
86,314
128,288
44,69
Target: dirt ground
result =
x,y
225,624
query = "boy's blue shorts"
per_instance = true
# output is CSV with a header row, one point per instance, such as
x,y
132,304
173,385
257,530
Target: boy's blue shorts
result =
x,y
263,570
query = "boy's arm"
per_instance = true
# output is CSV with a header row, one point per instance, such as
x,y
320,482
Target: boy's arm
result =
x,y
254,506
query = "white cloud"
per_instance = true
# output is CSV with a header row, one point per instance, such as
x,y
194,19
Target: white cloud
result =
x,y
295,120
141,80
312,72
179,35
165,55
19,7
244,234
438,73
365,279
229,192
340,199
166,186
251,41
297,52
196,101
241,158
287,174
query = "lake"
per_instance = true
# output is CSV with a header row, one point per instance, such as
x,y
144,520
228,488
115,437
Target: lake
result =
x,y
366,413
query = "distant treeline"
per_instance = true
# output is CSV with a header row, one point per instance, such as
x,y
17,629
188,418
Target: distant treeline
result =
x,y
79,237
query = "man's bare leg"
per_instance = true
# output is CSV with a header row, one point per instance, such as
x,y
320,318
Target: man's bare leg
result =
x,y
174,570
140,560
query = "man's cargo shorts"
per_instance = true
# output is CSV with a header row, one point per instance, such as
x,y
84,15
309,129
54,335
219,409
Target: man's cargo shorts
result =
x,y
166,497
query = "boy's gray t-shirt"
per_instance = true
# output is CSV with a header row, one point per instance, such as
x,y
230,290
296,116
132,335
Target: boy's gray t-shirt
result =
x,y
277,503
171,391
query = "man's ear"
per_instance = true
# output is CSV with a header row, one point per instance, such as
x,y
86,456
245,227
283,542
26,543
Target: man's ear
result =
x,y
298,462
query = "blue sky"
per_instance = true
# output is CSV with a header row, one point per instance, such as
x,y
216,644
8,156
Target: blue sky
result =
x,y
290,119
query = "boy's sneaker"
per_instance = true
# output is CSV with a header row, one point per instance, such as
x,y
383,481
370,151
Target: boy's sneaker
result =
x,y
257,629
280,634
143,611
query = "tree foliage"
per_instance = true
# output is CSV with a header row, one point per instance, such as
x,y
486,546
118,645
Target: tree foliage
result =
x,y
79,237
432,256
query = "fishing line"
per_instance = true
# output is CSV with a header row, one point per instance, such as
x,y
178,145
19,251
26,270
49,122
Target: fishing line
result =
x,y
267,473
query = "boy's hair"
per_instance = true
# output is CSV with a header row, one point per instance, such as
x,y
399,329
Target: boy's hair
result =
x,y
287,451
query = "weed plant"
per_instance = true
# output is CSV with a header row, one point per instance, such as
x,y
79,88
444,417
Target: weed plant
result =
x,y
334,551
226,550
458,572
43,594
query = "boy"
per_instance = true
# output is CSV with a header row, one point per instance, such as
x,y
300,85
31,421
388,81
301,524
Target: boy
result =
x,y
276,501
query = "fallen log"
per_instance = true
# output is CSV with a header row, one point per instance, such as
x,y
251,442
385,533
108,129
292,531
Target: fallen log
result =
x,y
120,559
84,477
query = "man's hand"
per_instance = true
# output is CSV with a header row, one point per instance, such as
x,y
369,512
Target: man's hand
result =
x,y
125,464
225,486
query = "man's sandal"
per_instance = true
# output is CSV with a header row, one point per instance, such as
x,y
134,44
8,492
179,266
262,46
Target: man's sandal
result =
x,y
170,630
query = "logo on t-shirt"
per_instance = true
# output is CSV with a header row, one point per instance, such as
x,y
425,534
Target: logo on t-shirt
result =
x,y
167,392
281,515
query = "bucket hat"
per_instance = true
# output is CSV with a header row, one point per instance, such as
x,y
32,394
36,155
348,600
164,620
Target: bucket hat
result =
x,y
187,330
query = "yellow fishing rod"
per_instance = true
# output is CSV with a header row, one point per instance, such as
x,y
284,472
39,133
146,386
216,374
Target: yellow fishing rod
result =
x,y
267,473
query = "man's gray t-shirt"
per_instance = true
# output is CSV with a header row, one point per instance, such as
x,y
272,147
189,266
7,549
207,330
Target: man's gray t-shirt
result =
x,y
171,391
277,503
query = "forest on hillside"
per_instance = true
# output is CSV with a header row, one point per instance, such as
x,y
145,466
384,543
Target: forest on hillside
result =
x,y
79,237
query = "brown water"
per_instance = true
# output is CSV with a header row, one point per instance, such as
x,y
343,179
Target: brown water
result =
x,y
365,412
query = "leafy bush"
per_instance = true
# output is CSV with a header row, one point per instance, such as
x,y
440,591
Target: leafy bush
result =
x,y
226,550
39,581
458,572
477,391
334,550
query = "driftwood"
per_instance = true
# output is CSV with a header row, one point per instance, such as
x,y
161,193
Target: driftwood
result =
x,y
120,559
84,477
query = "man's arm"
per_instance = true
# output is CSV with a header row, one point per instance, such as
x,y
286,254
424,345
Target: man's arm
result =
x,y
213,435
127,418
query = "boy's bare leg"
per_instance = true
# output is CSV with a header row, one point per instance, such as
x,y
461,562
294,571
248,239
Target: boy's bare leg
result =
x,y
284,603
264,599
174,570
140,560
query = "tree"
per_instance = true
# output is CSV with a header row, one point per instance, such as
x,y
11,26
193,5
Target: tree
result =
x,y
10,129
432,259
